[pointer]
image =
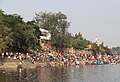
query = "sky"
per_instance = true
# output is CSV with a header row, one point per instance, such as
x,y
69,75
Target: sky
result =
x,y
92,18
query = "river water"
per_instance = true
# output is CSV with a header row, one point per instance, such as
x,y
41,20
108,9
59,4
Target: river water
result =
x,y
94,73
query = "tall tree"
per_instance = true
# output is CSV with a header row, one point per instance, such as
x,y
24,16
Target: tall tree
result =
x,y
24,37
57,24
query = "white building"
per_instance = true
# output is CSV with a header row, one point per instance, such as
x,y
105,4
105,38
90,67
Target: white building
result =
x,y
45,34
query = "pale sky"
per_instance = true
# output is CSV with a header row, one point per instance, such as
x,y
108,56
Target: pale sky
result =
x,y
90,17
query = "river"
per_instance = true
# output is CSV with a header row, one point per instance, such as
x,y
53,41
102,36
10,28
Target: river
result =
x,y
94,73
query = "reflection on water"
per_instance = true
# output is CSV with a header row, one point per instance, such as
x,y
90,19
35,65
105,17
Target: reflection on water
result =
x,y
100,73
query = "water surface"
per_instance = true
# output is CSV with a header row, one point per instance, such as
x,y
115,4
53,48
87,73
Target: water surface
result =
x,y
94,73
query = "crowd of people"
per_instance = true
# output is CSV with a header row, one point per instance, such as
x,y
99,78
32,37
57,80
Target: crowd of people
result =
x,y
64,59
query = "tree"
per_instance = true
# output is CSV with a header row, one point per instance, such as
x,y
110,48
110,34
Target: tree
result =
x,y
37,32
57,24
79,42
5,34
23,34
78,35
17,35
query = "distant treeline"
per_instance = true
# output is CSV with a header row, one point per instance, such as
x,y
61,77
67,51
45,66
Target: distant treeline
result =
x,y
116,50
19,36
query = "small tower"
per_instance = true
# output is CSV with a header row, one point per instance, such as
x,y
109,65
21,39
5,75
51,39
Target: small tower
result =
x,y
97,40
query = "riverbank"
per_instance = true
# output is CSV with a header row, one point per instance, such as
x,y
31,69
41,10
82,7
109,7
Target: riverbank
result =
x,y
42,59
13,64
